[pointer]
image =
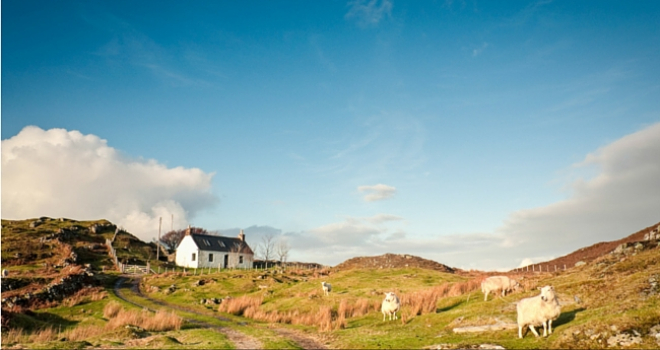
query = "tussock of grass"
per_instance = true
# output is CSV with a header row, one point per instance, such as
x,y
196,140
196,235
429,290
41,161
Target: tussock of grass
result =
x,y
83,333
111,309
161,321
13,336
237,306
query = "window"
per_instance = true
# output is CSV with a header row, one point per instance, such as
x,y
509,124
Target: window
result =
x,y
207,243
221,244
240,259
210,257
194,257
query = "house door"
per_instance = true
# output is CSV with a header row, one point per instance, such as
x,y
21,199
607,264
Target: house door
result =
x,y
226,261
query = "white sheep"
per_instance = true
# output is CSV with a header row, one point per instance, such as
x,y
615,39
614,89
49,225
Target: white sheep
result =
x,y
390,305
5,273
538,310
327,288
495,283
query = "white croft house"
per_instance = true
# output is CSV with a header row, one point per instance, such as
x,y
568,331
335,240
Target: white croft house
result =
x,y
197,251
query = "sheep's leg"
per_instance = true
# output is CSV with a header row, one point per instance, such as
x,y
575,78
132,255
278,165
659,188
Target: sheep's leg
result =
x,y
395,317
550,326
384,315
503,292
520,331
486,296
533,330
545,329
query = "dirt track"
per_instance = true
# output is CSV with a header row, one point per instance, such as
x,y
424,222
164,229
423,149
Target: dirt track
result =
x,y
240,340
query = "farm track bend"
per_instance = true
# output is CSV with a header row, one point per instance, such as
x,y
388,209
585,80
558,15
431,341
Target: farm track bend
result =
x,y
240,340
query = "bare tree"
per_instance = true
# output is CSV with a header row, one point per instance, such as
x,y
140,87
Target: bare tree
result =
x,y
173,238
266,248
282,250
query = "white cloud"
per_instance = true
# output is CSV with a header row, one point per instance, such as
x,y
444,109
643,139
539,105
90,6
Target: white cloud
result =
x,y
377,192
477,51
622,198
369,12
60,173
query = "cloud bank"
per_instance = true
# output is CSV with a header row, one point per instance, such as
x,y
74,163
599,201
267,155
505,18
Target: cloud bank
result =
x,y
377,192
622,198
60,173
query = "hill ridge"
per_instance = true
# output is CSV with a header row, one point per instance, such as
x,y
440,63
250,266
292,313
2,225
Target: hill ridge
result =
x,y
390,260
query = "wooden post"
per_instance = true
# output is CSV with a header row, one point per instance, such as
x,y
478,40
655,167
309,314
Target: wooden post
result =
x,y
160,222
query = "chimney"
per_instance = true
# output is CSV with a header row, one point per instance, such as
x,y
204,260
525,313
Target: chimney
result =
x,y
241,236
188,230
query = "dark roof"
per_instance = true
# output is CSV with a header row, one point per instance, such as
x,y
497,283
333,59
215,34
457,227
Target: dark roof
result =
x,y
220,244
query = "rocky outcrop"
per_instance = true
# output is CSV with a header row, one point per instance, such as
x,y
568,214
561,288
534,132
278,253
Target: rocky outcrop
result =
x,y
393,261
632,248
55,291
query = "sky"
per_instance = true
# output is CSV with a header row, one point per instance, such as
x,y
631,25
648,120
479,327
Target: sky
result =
x,y
479,134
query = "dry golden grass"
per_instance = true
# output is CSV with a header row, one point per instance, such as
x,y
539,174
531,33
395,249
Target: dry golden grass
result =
x,y
425,301
43,335
14,335
413,304
85,295
237,306
324,318
161,321
111,309
83,333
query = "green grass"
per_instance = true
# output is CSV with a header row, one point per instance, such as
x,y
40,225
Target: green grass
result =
x,y
612,292
609,290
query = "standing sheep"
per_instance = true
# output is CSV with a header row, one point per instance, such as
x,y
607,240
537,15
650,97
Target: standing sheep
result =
x,y
327,288
495,283
538,310
390,305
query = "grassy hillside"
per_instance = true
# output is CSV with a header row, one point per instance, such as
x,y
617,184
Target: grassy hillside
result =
x,y
615,295
611,296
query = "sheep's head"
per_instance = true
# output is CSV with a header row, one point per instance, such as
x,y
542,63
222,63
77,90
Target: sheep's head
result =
x,y
547,293
390,296
516,286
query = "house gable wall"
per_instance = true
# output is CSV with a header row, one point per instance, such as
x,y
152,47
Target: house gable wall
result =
x,y
184,253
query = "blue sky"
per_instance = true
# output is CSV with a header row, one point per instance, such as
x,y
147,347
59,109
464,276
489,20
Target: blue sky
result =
x,y
282,116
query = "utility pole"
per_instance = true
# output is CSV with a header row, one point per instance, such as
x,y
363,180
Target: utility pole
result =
x,y
160,222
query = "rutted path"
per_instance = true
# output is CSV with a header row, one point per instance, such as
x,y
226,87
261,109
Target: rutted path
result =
x,y
240,340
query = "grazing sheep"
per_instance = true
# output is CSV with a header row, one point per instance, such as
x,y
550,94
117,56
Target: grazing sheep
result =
x,y
495,283
390,305
327,288
5,273
538,310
